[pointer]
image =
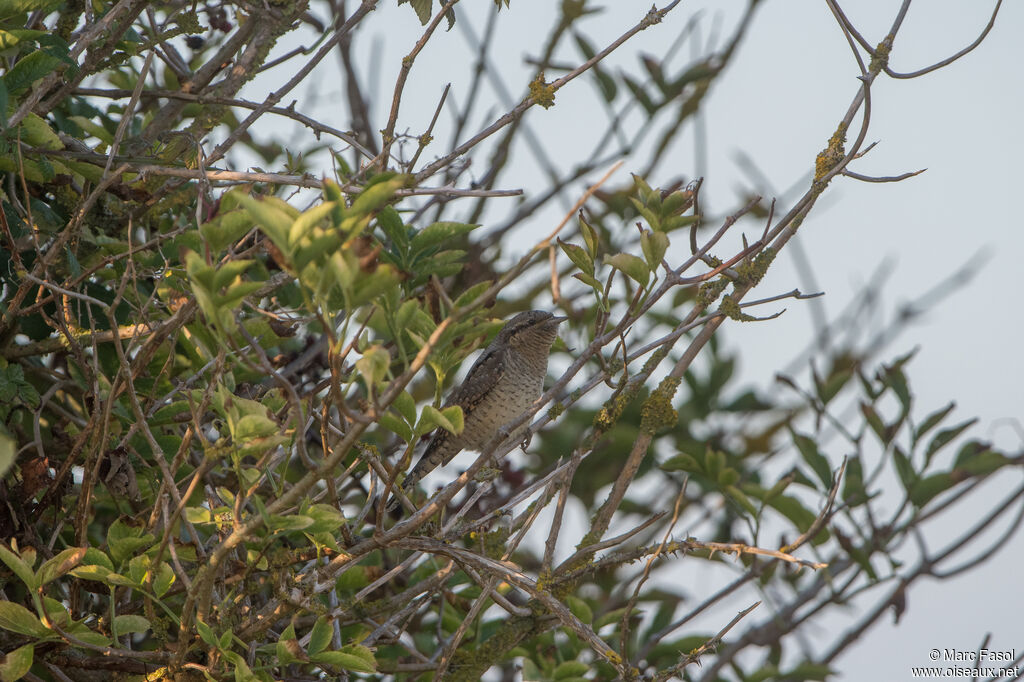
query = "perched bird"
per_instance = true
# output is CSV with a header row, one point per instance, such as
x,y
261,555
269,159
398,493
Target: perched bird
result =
x,y
502,384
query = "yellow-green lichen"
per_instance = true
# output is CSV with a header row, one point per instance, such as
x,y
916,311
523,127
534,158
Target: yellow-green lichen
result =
x,y
542,93
653,361
731,309
881,56
657,412
753,271
469,665
495,542
652,17
610,412
710,291
831,155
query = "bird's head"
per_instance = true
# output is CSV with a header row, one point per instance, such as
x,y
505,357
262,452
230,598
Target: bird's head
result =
x,y
534,329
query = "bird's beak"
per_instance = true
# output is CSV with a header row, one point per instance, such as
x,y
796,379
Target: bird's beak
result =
x,y
558,319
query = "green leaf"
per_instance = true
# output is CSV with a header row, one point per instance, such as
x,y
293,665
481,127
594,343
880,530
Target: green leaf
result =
x,y
944,437
288,523
390,221
875,422
580,609
422,9
29,69
94,556
242,671
795,511
128,623
405,314
320,637
894,378
17,663
228,273
91,572
570,669
275,222
288,649
354,657
613,616
683,462
924,489
206,634
163,580
19,567
10,8
578,256
828,389
119,580
933,420
587,279
373,365
406,406
436,233
589,235
372,199
198,515
60,564
397,426
37,132
652,217
226,229
17,618
904,468
654,245
740,498
90,127
727,477
325,518
138,568
431,418
454,416
308,220
632,266
854,492
977,459
252,427
125,541
809,451
82,632
677,202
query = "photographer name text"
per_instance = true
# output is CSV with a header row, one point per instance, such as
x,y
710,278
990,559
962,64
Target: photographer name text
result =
x,y
979,655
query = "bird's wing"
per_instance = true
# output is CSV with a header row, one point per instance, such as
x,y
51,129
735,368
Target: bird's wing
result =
x,y
485,373
482,377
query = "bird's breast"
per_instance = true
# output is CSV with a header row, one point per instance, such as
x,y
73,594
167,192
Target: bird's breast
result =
x,y
513,394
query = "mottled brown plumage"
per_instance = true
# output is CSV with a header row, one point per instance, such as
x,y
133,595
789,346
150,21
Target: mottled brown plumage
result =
x,y
502,384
